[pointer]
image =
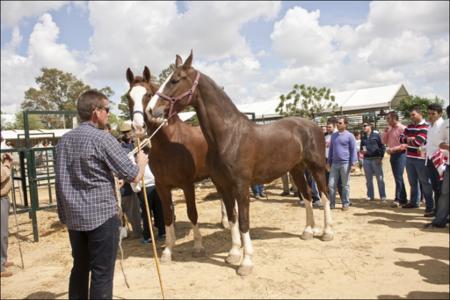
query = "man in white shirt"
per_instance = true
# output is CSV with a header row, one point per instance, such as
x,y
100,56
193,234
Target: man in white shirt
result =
x,y
442,211
432,145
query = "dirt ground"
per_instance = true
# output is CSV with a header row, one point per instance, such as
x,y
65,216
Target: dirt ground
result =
x,y
378,252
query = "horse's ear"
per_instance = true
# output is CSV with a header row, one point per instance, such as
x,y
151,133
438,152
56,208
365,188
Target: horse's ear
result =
x,y
146,74
130,76
178,61
188,62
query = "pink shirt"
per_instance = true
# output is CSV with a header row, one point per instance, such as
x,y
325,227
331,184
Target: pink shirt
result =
x,y
391,136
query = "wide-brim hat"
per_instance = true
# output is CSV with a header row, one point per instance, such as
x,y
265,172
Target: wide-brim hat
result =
x,y
125,126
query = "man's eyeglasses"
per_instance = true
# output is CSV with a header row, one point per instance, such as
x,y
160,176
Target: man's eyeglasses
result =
x,y
365,125
105,108
340,122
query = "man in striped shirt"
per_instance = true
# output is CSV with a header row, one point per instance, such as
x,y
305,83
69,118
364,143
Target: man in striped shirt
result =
x,y
415,138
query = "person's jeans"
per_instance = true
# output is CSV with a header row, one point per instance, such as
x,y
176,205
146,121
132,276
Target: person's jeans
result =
x,y
258,189
418,173
374,167
312,183
154,203
435,182
398,163
339,170
442,210
94,251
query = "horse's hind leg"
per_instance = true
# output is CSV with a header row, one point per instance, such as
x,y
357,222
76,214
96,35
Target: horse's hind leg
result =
x,y
189,194
320,178
166,201
234,255
298,173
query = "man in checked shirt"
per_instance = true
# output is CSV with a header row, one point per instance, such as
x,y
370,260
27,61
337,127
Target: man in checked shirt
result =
x,y
86,158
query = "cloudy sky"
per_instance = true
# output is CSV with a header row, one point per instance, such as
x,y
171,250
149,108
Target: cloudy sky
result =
x,y
256,50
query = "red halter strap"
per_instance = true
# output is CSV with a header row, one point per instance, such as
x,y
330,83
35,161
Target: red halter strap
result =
x,y
173,100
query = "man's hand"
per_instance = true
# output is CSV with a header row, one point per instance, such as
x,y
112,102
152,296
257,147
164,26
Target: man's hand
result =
x,y
388,151
410,139
141,159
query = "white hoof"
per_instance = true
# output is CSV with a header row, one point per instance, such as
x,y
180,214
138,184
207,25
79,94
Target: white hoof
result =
x,y
327,237
245,270
233,259
306,235
166,257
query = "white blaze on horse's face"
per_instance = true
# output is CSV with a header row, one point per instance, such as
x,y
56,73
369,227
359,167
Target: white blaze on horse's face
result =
x,y
154,99
137,93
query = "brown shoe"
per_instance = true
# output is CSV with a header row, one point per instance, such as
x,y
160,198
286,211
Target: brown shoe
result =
x,y
8,264
6,274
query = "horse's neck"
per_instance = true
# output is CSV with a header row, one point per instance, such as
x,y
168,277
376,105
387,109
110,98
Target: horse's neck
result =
x,y
218,116
167,133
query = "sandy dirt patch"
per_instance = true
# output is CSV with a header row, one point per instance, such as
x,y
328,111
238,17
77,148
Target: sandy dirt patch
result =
x,y
378,252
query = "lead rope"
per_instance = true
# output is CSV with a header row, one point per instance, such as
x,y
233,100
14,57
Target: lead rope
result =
x,y
146,142
119,205
150,224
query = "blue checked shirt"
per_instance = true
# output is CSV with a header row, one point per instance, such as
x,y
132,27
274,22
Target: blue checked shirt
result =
x,y
86,158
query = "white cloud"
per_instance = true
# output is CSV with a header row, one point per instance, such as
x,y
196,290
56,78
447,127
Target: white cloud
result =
x,y
301,41
18,72
14,11
399,43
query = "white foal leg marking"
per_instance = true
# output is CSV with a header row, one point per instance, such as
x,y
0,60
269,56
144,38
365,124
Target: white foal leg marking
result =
x,y
248,249
309,216
198,246
235,239
328,222
170,242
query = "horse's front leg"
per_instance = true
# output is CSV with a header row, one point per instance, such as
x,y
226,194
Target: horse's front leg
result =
x,y
243,203
166,201
189,194
234,255
225,223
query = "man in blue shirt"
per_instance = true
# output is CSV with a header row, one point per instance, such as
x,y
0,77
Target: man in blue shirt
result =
x,y
86,158
341,160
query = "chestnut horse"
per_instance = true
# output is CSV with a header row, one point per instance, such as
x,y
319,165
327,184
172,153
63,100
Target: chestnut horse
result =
x,y
245,153
177,158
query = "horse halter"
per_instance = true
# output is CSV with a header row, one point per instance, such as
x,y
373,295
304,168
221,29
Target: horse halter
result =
x,y
173,100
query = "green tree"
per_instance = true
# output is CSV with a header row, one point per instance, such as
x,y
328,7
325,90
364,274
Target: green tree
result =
x,y
57,90
306,101
34,122
405,105
165,73
124,111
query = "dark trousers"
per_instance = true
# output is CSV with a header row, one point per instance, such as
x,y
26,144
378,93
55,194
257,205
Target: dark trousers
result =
x,y
398,163
94,251
154,203
435,182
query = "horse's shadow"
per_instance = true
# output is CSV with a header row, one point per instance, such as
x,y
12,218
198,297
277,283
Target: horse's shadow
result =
x,y
216,244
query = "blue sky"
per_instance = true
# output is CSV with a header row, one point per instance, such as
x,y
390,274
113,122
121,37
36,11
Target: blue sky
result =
x,y
255,50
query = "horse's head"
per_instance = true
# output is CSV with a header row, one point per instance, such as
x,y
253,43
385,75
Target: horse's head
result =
x,y
139,95
177,92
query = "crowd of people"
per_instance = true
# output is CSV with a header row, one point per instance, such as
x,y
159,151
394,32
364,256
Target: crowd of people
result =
x,y
420,148
89,159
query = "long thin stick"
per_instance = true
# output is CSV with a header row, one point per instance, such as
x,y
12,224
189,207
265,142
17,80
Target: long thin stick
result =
x,y
17,224
150,225
119,204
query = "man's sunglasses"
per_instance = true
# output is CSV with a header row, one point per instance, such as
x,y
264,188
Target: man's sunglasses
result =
x,y
105,108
